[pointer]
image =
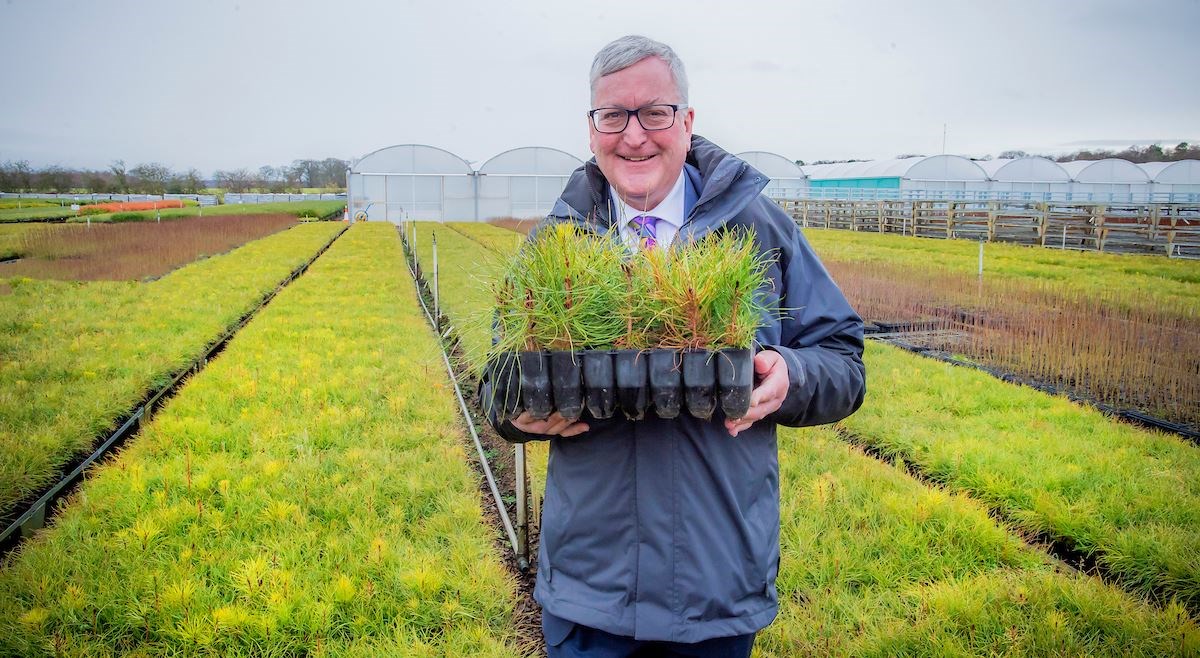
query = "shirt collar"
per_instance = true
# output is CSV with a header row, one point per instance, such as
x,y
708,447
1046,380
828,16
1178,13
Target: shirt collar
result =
x,y
670,210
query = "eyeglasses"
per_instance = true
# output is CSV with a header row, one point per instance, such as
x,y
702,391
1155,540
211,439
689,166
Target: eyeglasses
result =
x,y
651,117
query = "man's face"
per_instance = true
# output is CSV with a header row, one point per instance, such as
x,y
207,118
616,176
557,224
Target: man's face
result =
x,y
641,165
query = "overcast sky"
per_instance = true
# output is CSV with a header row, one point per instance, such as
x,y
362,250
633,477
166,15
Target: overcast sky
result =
x,y
224,84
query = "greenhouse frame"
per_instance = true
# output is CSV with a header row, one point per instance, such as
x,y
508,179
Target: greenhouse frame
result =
x,y
417,181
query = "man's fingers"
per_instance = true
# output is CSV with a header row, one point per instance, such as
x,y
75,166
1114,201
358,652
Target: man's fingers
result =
x,y
555,424
575,430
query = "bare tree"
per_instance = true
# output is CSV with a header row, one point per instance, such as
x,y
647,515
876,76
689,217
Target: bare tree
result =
x,y
236,180
151,178
121,178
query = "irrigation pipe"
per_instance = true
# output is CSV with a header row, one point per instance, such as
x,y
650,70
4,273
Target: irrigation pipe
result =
x,y
34,517
522,561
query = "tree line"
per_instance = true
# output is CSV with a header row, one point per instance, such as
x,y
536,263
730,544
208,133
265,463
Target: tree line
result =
x,y
157,178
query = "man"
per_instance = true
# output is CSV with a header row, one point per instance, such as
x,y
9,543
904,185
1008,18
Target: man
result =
x,y
661,537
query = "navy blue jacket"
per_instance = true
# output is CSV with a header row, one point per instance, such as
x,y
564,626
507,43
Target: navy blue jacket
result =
x,y
669,529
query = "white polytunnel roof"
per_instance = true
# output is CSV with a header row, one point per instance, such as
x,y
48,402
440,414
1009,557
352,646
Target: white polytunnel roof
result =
x,y
411,159
992,166
1181,172
946,167
894,168
1030,169
933,167
772,164
1108,170
532,160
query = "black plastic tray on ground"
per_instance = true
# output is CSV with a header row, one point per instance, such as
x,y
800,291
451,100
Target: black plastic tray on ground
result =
x,y
633,382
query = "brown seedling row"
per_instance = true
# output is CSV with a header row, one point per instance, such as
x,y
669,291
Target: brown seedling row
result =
x,y
135,250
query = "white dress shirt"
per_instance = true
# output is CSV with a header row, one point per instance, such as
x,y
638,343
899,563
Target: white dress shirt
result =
x,y
669,213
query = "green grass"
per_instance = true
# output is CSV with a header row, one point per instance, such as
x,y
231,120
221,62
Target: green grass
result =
x,y
35,213
1160,280
306,494
74,357
1130,497
875,563
318,209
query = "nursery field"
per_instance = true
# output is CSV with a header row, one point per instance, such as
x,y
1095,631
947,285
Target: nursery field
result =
x,y
315,209
35,209
11,237
76,357
134,251
876,562
1128,497
306,494
1155,278
1119,330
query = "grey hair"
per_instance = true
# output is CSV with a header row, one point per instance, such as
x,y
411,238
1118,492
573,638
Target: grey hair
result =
x,y
629,50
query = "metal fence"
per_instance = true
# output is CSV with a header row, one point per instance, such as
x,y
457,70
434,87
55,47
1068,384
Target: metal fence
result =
x,y
68,199
1172,229
278,198
899,194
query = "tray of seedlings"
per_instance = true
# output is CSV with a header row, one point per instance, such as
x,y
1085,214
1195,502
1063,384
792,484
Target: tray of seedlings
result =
x,y
583,323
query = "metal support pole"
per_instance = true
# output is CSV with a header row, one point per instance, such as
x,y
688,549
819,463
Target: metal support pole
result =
x,y
437,301
1064,238
981,259
522,503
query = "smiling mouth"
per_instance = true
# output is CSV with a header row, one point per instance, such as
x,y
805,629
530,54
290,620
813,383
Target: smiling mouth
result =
x,y
642,158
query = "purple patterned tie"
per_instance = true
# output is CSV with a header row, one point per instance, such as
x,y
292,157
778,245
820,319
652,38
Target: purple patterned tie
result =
x,y
646,227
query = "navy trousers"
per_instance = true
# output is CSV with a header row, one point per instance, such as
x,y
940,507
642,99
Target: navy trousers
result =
x,y
585,642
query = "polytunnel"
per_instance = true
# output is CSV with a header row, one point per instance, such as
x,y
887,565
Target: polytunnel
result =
x,y
411,181
1177,182
1109,179
524,182
936,176
787,179
1027,179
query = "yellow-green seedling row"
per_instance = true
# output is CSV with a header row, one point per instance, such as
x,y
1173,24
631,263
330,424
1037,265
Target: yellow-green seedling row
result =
x,y
465,270
500,240
1156,279
876,564
10,239
1128,496
306,494
75,357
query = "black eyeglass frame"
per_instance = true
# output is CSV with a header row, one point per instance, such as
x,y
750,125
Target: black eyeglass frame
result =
x,y
636,112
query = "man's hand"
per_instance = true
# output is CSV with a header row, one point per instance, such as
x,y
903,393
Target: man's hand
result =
x,y
772,372
555,424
